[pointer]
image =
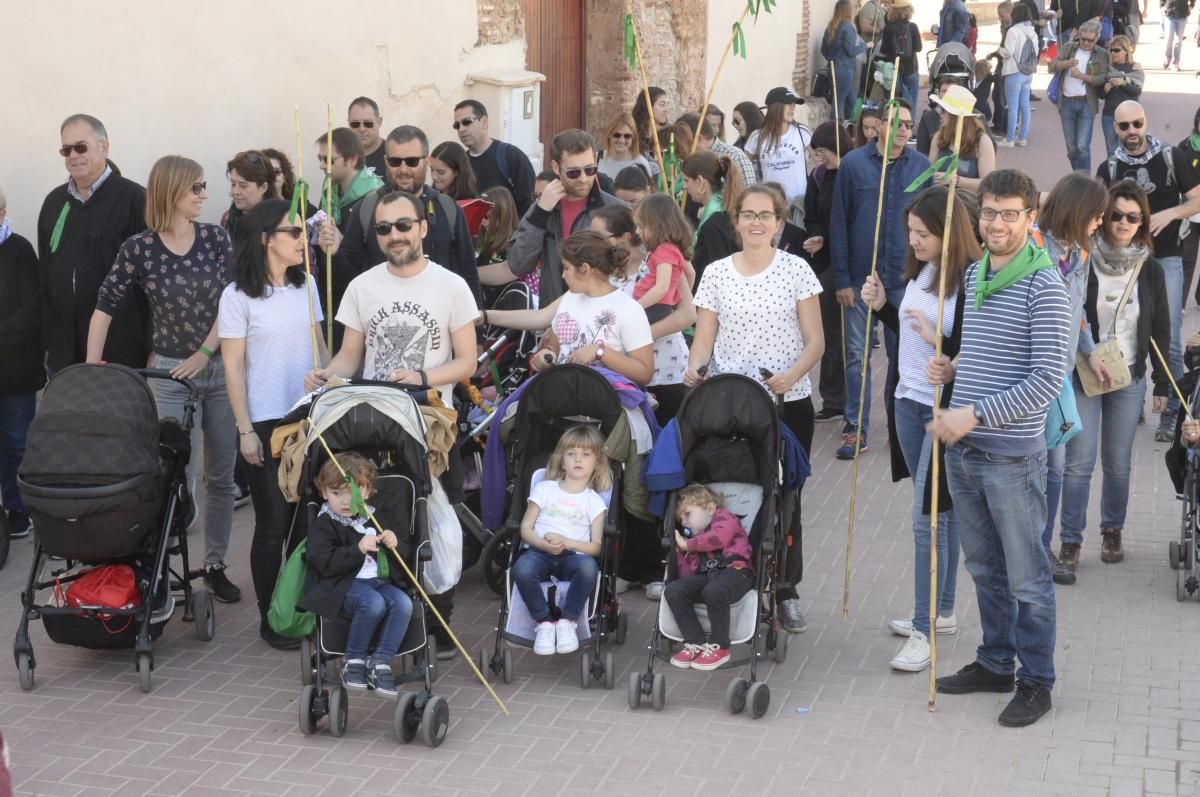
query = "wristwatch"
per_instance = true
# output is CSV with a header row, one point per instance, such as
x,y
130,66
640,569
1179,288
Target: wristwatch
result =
x,y
978,411
599,350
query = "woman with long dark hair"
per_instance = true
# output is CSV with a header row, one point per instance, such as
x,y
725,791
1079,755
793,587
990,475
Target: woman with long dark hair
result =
x,y
450,171
910,407
270,318
747,117
714,185
650,120
841,46
778,147
976,152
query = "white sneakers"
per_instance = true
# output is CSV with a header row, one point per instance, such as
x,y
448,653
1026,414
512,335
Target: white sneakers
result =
x,y
559,637
914,656
945,625
653,590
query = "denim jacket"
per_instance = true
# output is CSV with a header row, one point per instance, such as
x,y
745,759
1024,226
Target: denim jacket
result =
x,y
1075,278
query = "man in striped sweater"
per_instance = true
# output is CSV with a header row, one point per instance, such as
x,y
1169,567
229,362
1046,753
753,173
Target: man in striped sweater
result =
x,y
1010,367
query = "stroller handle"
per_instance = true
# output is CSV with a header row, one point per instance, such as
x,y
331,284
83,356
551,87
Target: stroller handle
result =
x,y
160,373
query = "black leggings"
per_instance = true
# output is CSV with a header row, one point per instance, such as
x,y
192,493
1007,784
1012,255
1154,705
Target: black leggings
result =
x,y
798,416
272,519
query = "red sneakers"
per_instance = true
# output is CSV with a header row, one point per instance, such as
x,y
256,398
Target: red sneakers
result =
x,y
710,657
685,657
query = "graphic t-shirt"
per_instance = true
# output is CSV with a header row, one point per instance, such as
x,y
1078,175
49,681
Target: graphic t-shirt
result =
x,y
568,514
758,326
784,163
615,318
407,321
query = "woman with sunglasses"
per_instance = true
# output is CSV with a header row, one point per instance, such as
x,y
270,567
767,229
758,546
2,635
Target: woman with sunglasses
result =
x,y
747,117
619,148
1126,301
1125,80
270,319
251,180
182,265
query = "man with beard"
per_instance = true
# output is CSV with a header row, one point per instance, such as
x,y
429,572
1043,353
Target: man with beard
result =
x,y
1009,368
1173,190
449,238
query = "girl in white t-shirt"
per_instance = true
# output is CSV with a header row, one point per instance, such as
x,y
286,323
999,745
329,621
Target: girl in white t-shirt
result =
x,y
563,527
594,323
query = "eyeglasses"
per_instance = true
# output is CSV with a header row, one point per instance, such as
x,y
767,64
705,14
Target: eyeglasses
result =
x,y
403,224
466,121
295,232
1137,124
749,216
1010,216
366,123
199,188
79,149
623,136
1090,40
906,125
1115,50
573,174
1116,216
411,163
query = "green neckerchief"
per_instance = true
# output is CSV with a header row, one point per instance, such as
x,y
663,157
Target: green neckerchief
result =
x,y
358,508
1194,140
56,235
1029,260
363,183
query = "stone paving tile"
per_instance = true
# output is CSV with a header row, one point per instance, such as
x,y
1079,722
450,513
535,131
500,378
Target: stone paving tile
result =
x,y
222,716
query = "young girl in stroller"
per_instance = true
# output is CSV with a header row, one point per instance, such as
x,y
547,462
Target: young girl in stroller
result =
x,y
351,575
714,558
564,528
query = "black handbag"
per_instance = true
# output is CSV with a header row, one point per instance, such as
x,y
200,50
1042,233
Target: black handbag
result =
x,y
822,86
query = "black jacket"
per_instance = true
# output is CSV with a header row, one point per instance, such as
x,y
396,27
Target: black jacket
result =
x,y
715,240
71,275
333,562
1154,321
20,319
818,209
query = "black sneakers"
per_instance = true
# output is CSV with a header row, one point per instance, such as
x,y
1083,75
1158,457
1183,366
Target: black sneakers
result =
x,y
1030,703
974,678
354,674
275,640
19,525
219,584
380,678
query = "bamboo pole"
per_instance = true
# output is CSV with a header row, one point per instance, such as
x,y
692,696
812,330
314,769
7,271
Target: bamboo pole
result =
x,y
1167,369
637,43
862,386
329,212
712,87
308,291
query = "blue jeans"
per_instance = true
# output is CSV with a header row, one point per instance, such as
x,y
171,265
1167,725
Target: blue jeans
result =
x,y
534,566
1173,29
845,92
910,87
1000,505
1173,273
917,447
1076,119
856,333
372,603
1016,93
16,413
1108,126
1111,421
1056,462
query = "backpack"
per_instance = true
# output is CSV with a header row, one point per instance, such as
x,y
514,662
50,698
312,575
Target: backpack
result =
x,y
366,212
1027,61
1168,153
904,47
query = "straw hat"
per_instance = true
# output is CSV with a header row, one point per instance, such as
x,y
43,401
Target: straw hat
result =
x,y
957,100
901,4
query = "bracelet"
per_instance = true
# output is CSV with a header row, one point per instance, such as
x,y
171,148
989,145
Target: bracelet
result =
x,y
485,321
207,352
243,434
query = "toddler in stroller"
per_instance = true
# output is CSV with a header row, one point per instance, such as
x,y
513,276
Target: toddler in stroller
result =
x,y
353,576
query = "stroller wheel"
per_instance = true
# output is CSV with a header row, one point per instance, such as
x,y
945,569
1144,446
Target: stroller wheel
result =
x,y
203,616
308,721
779,654
622,630
484,662
25,671
633,693
585,670
495,560
144,665
508,666
406,720
1174,555
610,671
339,710
435,721
759,698
658,692
308,667
735,695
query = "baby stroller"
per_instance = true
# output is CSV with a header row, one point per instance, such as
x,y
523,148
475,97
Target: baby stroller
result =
x,y
106,484
952,59
382,422
557,399
1183,464
729,440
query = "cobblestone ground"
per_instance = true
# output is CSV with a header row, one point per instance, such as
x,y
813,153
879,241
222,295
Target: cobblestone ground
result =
x,y
222,716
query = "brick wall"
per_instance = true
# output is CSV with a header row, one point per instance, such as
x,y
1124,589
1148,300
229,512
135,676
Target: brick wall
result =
x,y
500,21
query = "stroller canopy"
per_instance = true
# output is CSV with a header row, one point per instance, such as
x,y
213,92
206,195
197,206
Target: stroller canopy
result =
x,y
562,393
953,59
729,432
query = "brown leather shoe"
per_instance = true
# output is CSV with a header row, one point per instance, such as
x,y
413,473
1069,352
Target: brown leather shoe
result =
x,y
1111,551
1068,555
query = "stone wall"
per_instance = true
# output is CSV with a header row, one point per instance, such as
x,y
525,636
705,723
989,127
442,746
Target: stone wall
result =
x,y
500,21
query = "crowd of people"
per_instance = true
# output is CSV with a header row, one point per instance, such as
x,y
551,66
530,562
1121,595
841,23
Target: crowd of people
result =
x,y
767,258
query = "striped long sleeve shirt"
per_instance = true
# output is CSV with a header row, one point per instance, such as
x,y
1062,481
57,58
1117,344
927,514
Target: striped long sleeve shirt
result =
x,y
1012,361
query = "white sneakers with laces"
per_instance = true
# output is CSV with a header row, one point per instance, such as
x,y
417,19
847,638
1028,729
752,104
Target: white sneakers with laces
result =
x,y
914,656
567,639
904,627
544,639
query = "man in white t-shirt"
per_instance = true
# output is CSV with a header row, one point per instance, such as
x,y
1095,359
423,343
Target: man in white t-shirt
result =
x,y
407,320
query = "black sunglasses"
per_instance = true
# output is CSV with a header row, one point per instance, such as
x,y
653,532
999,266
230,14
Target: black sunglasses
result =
x,y
403,224
623,136
466,121
573,174
366,123
199,188
1137,124
79,148
412,162
295,232
1115,216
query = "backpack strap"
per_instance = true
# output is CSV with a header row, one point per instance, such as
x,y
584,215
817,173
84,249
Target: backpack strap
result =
x,y
366,212
450,211
502,161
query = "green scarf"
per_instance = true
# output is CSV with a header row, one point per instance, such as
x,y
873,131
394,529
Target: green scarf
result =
x,y
363,183
1029,260
1194,140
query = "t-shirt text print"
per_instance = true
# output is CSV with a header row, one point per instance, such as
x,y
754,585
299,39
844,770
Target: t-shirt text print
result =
x,y
400,334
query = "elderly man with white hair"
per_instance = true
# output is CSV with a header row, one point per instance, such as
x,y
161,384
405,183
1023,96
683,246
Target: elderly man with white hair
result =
x,y
1082,68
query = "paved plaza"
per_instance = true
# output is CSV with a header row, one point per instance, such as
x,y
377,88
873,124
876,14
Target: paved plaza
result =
x,y
221,718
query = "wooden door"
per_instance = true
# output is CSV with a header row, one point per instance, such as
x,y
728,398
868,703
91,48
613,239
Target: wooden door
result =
x,y
555,32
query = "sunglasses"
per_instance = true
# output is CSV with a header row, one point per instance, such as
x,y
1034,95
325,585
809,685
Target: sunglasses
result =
x,y
404,224
368,124
906,125
466,121
411,163
199,188
1137,124
623,136
295,232
573,174
1115,50
79,149
1116,216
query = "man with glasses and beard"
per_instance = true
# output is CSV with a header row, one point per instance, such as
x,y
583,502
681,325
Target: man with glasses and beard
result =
x,y
448,241
494,162
565,206
363,118
80,228
1010,366
1172,187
